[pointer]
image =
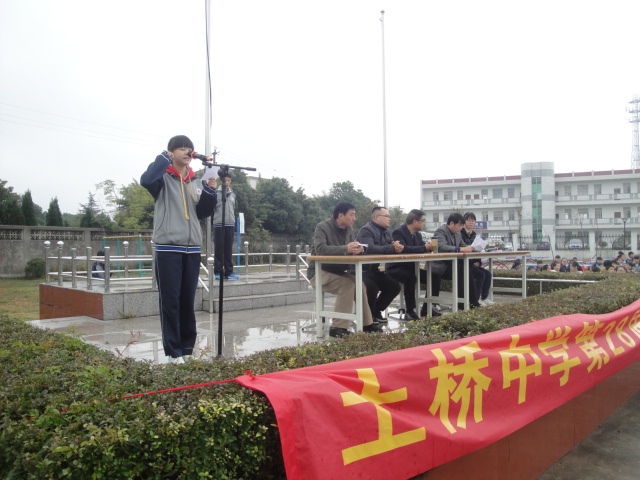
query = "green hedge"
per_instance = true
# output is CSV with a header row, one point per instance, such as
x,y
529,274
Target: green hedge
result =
x,y
219,432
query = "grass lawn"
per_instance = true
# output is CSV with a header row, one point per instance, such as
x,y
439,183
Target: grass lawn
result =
x,y
19,298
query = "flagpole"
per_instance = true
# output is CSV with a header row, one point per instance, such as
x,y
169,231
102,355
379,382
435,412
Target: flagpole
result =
x,y
384,118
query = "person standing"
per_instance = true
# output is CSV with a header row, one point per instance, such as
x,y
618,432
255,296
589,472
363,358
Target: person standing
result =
x,y
381,288
181,200
223,258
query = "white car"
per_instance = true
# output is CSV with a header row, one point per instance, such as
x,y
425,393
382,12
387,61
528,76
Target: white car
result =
x,y
575,244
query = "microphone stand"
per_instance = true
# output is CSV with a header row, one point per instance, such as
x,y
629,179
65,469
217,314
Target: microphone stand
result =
x,y
223,172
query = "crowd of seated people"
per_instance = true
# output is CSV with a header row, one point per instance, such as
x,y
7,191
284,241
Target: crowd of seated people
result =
x,y
620,264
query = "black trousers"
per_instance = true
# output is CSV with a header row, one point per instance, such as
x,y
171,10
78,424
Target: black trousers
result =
x,y
381,289
407,277
177,275
447,275
223,261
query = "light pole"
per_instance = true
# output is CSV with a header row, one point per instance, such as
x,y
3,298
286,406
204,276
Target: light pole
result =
x,y
624,234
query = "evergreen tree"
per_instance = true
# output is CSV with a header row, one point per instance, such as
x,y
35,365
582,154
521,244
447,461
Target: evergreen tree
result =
x,y
13,212
88,213
54,216
28,209
6,195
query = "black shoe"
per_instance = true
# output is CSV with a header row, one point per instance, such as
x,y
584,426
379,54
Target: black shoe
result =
x,y
378,318
373,328
435,313
424,310
411,315
338,332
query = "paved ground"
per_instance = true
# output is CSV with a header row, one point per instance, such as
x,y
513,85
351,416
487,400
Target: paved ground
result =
x,y
611,452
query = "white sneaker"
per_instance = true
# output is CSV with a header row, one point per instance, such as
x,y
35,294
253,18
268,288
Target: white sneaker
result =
x,y
487,302
187,358
176,361
483,302
436,307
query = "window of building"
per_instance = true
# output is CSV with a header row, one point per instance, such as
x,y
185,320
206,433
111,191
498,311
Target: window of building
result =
x,y
512,215
448,195
616,191
583,212
626,212
476,196
460,194
511,192
436,217
436,196
597,189
583,190
497,193
485,193
638,186
485,216
626,188
567,190
467,197
497,216
617,215
567,213
598,212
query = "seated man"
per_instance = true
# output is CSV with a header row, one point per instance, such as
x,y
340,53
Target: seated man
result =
x,y
482,276
381,288
450,240
596,267
408,234
335,236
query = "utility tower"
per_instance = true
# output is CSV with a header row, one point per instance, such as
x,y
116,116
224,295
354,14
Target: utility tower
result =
x,y
634,111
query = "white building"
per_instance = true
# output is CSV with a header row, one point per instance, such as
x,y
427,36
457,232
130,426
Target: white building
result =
x,y
594,209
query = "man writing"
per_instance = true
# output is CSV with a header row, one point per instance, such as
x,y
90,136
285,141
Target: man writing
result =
x,y
450,240
408,235
381,288
335,237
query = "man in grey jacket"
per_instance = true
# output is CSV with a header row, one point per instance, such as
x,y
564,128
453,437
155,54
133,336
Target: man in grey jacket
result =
x,y
381,288
450,240
335,237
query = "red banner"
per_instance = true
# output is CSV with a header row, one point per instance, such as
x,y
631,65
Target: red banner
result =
x,y
398,414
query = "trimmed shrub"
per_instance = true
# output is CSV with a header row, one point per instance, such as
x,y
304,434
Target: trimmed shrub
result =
x,y
58,420
34,268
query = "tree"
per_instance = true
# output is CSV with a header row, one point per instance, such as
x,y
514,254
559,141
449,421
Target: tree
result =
x,y
346,192
7,216
54,216
132,203
91,216
28,209
282,209
13,212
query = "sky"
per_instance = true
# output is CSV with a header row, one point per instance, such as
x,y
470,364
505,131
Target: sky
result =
x,y
93,90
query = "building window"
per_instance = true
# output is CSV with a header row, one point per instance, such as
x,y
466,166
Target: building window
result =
x,y
468,197
597,189
583,190
512,215
497,216
626,212
497,193
511,192
448,195
436,196
567,190
583,212
598,212
567,213
616,191
485,193
485,216
436,217
476,196
626,188
460,194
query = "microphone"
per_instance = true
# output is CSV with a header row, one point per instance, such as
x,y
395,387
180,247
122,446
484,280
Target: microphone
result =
x,y
199,156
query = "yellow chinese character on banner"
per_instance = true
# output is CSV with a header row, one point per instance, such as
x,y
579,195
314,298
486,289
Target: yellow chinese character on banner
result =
x,y
557,346
597,354
634,323
386,439
523,369
448,389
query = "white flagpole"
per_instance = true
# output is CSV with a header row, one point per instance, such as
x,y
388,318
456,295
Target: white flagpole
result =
x,y
384,118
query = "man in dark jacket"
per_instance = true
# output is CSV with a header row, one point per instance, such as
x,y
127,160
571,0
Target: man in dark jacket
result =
x,y
410,238
335,237
377,238
450,240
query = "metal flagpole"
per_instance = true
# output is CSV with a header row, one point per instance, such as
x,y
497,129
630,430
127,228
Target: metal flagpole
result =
x,y
384,117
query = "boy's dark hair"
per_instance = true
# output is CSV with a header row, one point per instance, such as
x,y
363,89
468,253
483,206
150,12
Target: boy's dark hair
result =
x,y
342,208
414,215
179,141
456,218
469,215
598,258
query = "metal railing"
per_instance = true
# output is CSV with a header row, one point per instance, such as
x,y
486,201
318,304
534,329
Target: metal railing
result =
x,y
137,271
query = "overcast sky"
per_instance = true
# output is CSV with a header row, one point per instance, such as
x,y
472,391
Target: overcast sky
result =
x,y
91,90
